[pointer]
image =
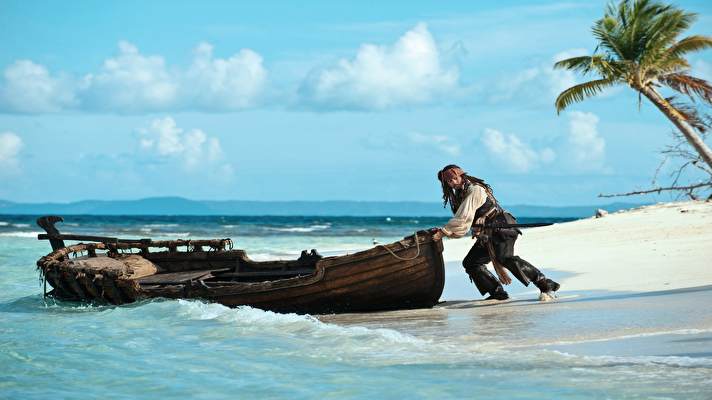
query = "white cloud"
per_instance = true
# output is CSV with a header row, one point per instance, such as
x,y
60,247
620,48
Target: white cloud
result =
x,y
194,149
10,146
587,148
224,84
164,135
440,142
512,153
131,82
28,88
541,82
379,77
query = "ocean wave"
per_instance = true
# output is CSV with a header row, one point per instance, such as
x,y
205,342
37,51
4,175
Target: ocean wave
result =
x,y
351,344
20,234
3,223
21,225
261,322
161,225
175,234
301,229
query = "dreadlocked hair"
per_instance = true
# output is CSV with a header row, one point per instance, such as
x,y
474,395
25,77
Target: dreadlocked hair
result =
x,y
455,196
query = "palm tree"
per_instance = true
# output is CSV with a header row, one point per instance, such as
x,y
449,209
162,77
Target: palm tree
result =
x,y
639,47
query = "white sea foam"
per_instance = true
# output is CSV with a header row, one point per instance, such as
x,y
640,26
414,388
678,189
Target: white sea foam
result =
x,y
3,223
21,225
350,344
301,229
229,226
20,234
260,321
161,225
175,234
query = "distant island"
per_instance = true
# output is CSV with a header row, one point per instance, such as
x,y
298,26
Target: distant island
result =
x,y
182,206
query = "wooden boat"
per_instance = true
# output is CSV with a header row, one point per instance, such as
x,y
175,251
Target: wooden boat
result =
x,y
406,274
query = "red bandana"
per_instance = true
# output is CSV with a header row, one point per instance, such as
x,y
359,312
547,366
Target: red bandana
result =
x,y
451,173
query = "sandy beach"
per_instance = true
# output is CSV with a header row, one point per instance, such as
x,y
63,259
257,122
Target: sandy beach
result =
x,y
659,247
629,321
634,286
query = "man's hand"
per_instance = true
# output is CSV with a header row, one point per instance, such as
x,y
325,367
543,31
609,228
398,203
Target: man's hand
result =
x,y
503,275
437,233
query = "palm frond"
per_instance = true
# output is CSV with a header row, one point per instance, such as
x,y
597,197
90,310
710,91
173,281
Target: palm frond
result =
x,y
579,64
688,85
692,117
580,92
690,44
605,31
662,33
606,68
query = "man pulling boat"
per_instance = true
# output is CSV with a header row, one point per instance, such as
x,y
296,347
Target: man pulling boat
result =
x,y
476,209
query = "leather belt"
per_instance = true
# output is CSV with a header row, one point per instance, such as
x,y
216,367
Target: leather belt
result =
x,y
493,212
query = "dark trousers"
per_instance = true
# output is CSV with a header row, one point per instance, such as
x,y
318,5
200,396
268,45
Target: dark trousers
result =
x,y
503,246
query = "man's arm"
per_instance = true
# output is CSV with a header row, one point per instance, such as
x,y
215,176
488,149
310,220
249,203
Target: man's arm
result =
x,y
459,225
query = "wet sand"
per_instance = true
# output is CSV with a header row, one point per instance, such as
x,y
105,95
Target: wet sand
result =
x,y
673,323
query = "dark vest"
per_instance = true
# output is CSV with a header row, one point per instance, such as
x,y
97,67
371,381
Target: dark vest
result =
x,y
489,204
485,208
499,216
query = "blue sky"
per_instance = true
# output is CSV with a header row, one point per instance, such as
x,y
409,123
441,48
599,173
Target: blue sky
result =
x,y
313,100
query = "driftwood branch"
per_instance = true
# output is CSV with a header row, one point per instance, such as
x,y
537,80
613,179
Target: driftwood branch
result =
x,y
660,189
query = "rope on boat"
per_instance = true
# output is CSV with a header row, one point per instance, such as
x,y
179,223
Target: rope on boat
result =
x,y
417,245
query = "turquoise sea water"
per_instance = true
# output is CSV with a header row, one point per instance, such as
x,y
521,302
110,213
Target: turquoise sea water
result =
x,y
161,349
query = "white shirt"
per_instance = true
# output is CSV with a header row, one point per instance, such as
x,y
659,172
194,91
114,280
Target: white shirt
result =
x,y
460,224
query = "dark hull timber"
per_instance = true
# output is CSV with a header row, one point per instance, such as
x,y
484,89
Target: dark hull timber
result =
x,y
401,275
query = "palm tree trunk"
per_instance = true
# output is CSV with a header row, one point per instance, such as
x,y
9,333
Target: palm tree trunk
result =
x,y
673,115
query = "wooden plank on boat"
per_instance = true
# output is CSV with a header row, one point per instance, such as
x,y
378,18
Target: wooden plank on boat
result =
x,y
276,273
177,277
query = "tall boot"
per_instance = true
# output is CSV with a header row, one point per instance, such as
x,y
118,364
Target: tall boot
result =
x,y
524,271
546,285
486,282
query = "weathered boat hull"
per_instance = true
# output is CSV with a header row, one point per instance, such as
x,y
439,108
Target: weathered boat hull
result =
x,y
401,275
